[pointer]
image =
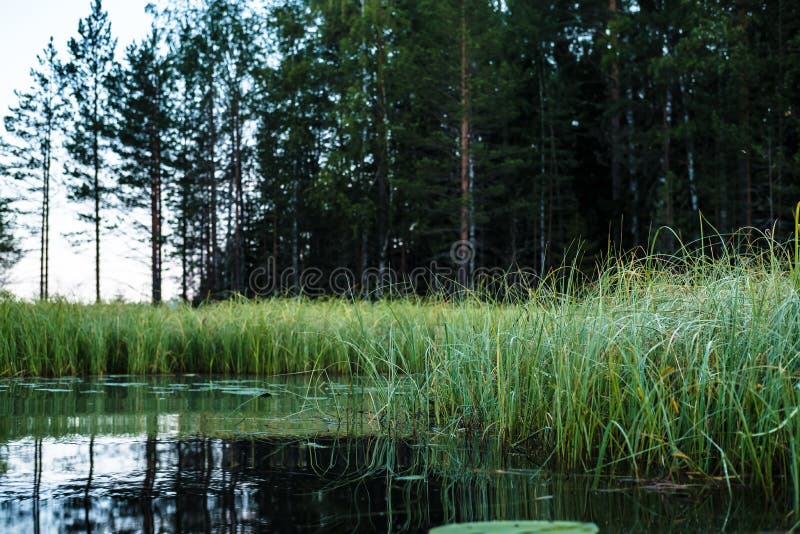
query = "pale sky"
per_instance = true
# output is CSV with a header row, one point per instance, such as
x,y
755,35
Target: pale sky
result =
x,y
25,29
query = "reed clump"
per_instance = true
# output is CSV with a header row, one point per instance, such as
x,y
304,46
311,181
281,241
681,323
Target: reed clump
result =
x,y
683,365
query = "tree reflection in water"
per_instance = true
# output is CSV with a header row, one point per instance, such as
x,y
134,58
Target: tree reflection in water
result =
x,y
356,485
162,455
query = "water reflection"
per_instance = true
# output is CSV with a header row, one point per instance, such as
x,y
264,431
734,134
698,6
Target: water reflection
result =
x,y
215,485
129,463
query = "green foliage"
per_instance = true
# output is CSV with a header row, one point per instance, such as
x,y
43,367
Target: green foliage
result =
x,y
330,134
89,73
673,365
9,248
33,125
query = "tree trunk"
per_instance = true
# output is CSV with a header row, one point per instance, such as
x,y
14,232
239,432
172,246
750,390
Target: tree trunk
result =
x,y
464,274
43,243
295,237
155,219
275,219
695,203
238,245
633,183
616,171
667,183
745,176
382,149
745,162
96,184
211,271
542,168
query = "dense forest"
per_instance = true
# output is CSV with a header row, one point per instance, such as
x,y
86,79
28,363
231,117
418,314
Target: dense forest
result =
x,y
376,135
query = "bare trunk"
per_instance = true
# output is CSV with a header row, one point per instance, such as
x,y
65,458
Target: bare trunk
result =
x,y
275,224
542,169
745,176
44,222
155,220
471,215
295,238
633,184
666,122
464,234
47,233
211,245
382,152
666,125
184,258
695,203
238,237
96,184
616,171
776,200
745,162
211,273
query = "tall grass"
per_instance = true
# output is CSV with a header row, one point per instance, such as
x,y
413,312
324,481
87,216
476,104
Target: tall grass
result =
x,y
669,365
62,338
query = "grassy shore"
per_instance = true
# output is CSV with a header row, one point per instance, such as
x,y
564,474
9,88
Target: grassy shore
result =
x,y
681,365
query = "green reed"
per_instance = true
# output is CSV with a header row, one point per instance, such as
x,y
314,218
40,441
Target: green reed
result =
x,y
686,365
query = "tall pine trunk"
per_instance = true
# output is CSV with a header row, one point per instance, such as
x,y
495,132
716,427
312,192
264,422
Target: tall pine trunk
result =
x,y
542,245
690,170
96,183
155,219
44,261
238,197
665,161
616,170
211,258
745,171
464,234
382,151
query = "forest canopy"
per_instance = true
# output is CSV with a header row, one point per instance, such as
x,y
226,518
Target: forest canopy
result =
x,y
377,134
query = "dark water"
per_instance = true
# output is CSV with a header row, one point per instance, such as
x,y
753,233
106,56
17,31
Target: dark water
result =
x,y
192,454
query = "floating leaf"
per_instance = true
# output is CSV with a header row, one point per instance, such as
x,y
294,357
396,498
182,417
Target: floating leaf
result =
x,y
517,527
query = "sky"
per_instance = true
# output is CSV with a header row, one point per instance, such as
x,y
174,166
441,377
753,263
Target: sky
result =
x,y
25,29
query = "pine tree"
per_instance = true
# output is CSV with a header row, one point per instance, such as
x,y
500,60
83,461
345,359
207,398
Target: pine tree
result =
x,y
34,123
9,250
88,74
292,118
140,102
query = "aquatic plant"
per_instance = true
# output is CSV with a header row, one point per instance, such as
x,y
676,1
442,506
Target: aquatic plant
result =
x,y
682,365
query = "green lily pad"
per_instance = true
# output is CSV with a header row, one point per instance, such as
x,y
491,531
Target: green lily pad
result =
x,y
518,527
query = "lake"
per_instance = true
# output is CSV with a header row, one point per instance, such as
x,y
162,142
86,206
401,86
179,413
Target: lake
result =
x,y
298,453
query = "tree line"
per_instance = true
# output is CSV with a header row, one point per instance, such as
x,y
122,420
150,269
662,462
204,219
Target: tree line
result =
x,y
374,134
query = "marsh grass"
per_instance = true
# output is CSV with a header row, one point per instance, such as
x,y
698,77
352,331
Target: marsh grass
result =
x,y
678,366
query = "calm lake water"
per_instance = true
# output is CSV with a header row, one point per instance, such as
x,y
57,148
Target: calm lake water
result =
x,y
292,454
